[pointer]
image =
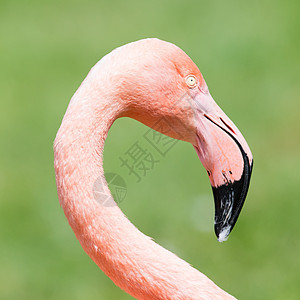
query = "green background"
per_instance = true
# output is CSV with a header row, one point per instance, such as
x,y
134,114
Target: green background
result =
x,y
248,52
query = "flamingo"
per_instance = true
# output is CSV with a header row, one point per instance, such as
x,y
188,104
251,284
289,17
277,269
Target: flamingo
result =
x,y
147,80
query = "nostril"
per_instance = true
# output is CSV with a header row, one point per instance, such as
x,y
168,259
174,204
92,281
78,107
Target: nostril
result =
x,y
227,126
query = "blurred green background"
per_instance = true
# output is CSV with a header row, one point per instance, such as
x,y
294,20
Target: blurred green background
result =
x,y
248,52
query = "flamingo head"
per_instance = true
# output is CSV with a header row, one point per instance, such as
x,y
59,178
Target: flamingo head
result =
x,y
163,88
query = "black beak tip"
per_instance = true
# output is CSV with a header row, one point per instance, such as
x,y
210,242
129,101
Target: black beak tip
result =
x,y
229,199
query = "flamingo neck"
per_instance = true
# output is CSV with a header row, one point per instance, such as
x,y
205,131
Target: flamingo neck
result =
x,y
131,259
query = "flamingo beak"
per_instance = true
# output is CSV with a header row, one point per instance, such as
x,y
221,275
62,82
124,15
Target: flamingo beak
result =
x,y
228,160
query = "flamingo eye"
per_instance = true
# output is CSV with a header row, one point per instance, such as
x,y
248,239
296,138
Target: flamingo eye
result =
x,y
191,81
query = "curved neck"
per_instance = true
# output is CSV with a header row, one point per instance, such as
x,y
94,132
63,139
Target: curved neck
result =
x,y
132,260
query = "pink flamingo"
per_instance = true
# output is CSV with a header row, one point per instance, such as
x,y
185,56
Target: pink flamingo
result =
x,y
148,80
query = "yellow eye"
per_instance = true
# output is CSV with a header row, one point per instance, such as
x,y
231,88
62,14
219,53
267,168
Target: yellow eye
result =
x,y
191,81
